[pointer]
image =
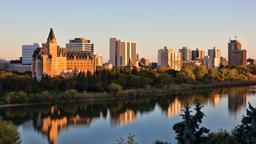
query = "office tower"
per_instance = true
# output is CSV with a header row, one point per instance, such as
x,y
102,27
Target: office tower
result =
x,y
99,60
214,58
27,53
52,60
122,53
169,58
236,56
186,54
80,44
198,54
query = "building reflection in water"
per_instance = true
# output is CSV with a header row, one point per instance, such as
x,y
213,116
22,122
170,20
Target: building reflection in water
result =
x,y
56,121
122,119
174,108
236,103
215,100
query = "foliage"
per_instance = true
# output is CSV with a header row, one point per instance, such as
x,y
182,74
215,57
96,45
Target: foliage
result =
x,y
114,88
188,131
246,132
130,140
9,133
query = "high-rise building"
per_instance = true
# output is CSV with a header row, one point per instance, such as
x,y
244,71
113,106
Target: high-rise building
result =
x,y
80,44
122,53
198,54
186,54
27,53
52,60
99,60
169,58
214,58
236,56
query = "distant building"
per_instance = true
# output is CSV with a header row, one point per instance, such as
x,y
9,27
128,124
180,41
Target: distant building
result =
x,y
27,53
122,53
223,61
99,60
214,58
3,64
52,60
144,62
153,65
236,56
169,58
186,54
198,55
251,61
80,44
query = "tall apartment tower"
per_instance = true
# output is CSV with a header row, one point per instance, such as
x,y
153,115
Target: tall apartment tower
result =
x,y
186,54
122,53
236,56
198,54
27,53
169,58
214,56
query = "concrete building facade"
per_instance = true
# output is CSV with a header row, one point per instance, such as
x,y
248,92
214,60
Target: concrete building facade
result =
x,y
122,53
169,58
236,56
186,54
27,53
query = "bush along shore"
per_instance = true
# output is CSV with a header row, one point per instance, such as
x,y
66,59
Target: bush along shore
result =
x,y
21,98
119,83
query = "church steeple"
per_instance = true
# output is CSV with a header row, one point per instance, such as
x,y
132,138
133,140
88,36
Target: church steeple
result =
x,y
51,37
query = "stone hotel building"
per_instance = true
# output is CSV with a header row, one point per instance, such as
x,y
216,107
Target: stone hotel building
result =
x,y
52,60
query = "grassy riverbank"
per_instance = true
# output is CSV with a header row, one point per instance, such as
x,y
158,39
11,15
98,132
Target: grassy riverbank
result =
x,y
20,98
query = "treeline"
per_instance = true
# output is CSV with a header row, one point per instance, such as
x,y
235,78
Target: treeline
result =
x,y
120,79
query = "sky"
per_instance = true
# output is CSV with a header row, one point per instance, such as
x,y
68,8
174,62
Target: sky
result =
x,y
152,24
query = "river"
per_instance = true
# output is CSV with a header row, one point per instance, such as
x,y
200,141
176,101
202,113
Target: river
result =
x,y
147,119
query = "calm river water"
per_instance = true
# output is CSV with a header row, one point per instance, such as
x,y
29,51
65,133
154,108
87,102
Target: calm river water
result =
x,y
147,119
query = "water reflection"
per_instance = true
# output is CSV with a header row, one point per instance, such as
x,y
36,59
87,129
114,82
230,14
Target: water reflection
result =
x,y
50,121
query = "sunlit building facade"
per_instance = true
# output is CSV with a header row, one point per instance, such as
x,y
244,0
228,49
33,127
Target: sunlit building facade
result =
x,y
122,53
169,58
52,60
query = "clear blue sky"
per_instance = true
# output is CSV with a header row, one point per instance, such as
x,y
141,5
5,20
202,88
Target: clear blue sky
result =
x,y
152,24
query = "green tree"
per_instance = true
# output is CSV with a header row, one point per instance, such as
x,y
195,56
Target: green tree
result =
x,y
186,75
114,88
200,72
188,131
130,140
9,133
246,132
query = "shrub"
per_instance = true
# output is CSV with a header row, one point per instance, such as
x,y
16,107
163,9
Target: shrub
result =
x,y
9,133
114,88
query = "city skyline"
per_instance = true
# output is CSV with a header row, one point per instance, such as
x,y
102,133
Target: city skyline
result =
x,y
208,24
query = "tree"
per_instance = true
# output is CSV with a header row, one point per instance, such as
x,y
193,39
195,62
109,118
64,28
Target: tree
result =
x,y
130,140
186,75
188,131
9,133
114,88
246,132
200,72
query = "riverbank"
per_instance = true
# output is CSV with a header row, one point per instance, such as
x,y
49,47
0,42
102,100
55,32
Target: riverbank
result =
x,y
148,92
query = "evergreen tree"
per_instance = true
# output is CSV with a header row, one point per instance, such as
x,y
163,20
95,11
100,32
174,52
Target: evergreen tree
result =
x,y
188,131
246,132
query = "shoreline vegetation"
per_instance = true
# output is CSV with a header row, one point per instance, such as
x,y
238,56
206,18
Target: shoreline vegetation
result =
x,y
118,84
71,95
